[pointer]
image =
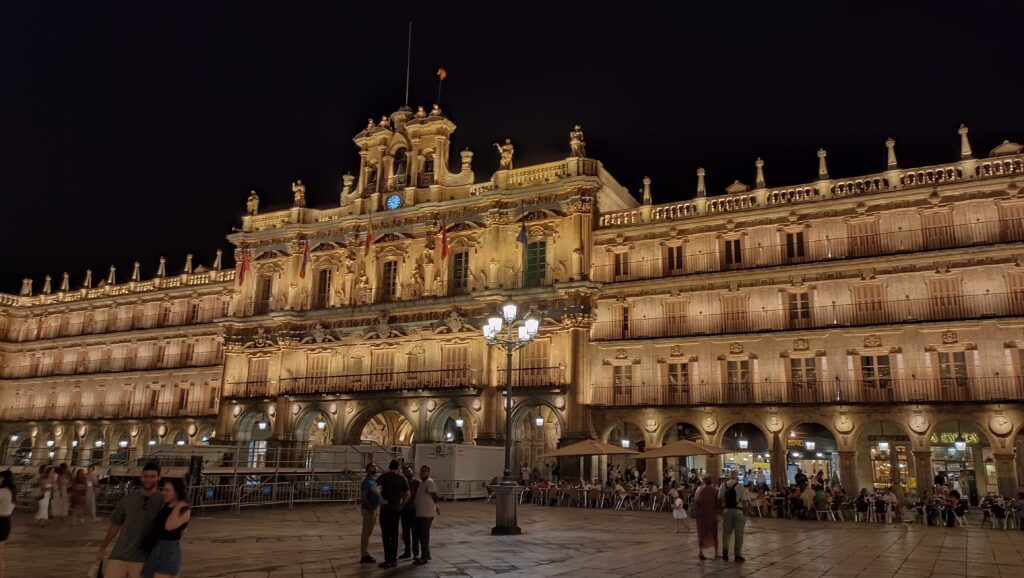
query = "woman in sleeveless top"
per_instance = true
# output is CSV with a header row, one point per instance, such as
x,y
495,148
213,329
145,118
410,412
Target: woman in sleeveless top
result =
x,y
7,494
164,539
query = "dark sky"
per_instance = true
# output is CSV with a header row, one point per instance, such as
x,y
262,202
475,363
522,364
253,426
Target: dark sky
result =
x,y
133,131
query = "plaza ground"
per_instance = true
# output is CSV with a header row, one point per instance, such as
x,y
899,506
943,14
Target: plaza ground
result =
x,y
323,541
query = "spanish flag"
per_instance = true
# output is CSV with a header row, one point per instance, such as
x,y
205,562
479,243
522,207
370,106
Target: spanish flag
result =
x,y
444,240
305,259
369,237
441,72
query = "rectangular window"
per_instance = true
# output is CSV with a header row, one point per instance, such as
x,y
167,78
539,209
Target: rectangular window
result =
x,y
798,308
734,312
195,312
621,266
622,376
675,317
674,259
869,302
99,399
460,273
533,365
738,373
536,264
875,372
126,397
1012,222
389,281
183,395
188,353
225,307
382,362
953,368
211,400
678,377
259,369
732,252
795,248
455,357
946,300
264,293
318,367
937,230
164,316
803,372
621,326
322,295
863,238
154,400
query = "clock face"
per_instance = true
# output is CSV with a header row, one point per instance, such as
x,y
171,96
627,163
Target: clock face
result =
x,y
393,202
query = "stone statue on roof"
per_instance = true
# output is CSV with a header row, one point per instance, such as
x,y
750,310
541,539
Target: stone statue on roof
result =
x,y
385,122
506,151
252,204
577,146
420,113
436,110
369,124
299,190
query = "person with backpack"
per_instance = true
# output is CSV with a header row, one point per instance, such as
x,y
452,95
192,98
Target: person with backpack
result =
x,y
734,499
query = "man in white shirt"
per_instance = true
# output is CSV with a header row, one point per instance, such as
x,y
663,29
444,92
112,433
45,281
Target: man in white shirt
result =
x,y
733,497
426,509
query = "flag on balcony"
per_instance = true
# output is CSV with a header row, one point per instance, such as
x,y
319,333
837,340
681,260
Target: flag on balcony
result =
x,y
522,238
305,260
243,266
444,240
369,237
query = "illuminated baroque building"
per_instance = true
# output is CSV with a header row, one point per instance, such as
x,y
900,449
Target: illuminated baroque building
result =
x,y
862,326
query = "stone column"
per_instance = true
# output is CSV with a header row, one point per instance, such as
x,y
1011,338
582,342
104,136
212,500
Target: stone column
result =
x,y
714,468
1006,476
922,468
848,470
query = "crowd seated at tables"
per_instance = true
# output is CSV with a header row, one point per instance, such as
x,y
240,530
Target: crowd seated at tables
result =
x,y
808,498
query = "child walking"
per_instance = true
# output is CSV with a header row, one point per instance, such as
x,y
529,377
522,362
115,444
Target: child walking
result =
x,y
678,509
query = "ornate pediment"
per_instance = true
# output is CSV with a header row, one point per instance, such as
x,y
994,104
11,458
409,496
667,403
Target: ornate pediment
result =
x,y
261,339
453,322
736,187
1007,148
318,334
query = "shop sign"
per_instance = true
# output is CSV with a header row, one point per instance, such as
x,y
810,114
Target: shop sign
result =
x,y
947,438
795,442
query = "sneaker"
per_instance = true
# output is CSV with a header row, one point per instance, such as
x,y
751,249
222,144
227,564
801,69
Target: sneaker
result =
x,y
404,556
739,558
367,560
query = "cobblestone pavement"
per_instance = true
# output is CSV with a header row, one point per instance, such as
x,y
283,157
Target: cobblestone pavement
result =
x,y
323,541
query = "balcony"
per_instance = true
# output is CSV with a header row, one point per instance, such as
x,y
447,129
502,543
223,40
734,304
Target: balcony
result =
x,y
356,383
114,365
828,316
196,408
97,326
836,392
830,249
545,378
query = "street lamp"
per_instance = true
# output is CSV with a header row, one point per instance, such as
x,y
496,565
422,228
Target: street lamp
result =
x,y
518,333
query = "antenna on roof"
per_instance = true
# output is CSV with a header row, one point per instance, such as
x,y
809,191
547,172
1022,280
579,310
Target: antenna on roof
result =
x,y
408,63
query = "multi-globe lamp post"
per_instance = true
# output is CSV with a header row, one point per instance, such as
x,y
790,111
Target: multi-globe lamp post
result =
x,y
510,333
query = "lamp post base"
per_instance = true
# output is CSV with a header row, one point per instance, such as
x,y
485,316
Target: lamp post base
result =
x,y
506,497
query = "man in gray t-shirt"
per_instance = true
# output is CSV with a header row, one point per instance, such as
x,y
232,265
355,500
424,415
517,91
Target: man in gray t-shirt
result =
x,y
131,521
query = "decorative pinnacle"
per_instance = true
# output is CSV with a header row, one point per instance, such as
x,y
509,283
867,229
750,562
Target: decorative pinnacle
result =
x,y
135,271
87,284
46,285
647,190
965,145
161,271
65,282
188,264
890,153
217,260
759,177
822,167
701,190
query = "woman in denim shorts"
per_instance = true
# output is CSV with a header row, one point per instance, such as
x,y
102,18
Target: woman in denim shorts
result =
x,y
164,559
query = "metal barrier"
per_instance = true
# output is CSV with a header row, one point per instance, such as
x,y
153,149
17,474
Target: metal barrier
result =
x,y
455,490
213,496
264,494
345,491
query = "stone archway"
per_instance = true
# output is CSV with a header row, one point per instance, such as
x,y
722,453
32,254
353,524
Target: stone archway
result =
x,y
537,426
750,451
811,447
962,453
629,435
444,424
313,427
387,428
885,457
681,467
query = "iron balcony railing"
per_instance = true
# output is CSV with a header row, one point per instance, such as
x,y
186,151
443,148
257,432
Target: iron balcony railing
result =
x,y
828,249
389,381
875,391
113,325
113,365
847,315
541,377
190,408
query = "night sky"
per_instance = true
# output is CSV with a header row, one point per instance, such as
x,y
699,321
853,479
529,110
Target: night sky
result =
x,y
134,131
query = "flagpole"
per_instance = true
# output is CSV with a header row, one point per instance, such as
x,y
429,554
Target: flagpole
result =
x,y
408,63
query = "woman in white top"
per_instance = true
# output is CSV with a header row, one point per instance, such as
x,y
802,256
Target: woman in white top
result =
x,y
42,491
7,493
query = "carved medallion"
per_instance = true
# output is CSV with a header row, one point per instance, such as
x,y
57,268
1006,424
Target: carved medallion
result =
x,y
735,347
919,423
620,354
1000,425
949,336
872,341
844,424
710,424
651,425
677,351
801,345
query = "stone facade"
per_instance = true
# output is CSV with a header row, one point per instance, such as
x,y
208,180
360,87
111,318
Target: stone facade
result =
x,y
826,311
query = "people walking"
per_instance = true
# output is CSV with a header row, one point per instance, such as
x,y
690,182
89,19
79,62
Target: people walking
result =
x,y
704,509
678,508
60,501
369,504
734,498
426,509
91,488
130,523
7,495
410,534
394,492
77,496
42,491
164,540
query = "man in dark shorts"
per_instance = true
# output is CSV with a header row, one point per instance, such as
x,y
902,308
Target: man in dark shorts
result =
x,y
410,534
394,493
